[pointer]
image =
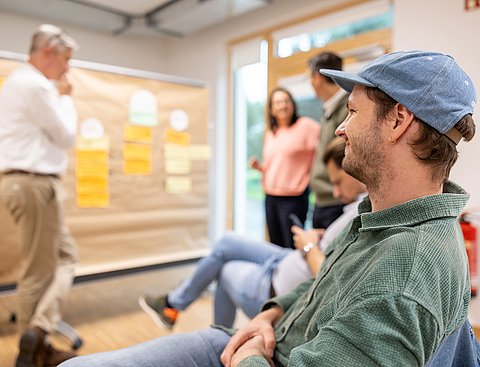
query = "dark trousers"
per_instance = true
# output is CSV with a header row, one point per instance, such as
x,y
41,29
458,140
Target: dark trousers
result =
x,y
277,209
323,216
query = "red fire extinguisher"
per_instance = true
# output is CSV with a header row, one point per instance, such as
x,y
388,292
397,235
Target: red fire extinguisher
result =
x,y
470,236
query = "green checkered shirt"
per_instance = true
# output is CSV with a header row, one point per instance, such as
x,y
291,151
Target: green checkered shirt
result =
x,y
394,284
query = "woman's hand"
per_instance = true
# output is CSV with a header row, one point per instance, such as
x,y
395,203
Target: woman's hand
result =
x,y
255,164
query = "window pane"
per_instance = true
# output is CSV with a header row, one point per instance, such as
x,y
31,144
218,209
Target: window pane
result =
x,y
250,99
318,39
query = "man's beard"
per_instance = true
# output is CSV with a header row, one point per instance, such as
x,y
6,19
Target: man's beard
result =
x,y
365,160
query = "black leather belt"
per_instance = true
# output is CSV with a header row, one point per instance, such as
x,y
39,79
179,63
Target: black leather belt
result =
x,y
22,172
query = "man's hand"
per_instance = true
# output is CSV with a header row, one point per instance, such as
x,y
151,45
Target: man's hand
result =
x,y
302,237
64,85
252,347
262,326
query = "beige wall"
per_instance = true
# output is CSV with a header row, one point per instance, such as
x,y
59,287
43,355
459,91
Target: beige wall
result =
x,y
145,53
445,26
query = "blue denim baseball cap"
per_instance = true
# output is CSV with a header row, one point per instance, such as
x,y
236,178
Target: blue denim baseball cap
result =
x,y
430,84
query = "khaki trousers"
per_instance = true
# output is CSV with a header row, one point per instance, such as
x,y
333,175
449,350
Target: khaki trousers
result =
x,y
48,250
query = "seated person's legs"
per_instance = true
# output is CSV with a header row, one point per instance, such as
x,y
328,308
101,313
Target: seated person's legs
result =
x,y
200,348
230,247
241,284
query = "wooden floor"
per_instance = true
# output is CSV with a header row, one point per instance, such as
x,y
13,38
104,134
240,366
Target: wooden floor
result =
x,y
106,314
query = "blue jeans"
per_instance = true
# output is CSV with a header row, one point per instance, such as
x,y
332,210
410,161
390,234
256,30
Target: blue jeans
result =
x,y
460,349
197,349
243,269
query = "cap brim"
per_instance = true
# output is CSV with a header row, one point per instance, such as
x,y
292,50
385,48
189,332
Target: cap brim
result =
x,y
346,80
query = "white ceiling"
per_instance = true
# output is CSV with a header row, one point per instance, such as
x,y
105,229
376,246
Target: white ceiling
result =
x,y
136,17
136,7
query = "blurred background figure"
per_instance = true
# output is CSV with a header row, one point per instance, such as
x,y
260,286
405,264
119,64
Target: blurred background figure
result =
x,y
38,123
327,207
288,152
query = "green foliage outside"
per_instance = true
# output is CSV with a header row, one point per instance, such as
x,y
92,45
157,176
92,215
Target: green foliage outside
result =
x,y
255,131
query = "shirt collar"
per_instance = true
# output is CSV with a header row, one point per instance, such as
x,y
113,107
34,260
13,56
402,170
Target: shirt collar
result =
x,y
356,203
330,104
448,204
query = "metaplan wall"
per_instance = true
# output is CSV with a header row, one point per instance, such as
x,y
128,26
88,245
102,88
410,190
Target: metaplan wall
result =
x,y
428,24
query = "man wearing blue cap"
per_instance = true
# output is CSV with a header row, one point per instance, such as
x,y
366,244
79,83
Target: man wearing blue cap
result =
x,y
394,285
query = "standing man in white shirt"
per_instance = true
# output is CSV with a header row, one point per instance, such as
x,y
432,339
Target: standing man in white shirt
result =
x,y
38,123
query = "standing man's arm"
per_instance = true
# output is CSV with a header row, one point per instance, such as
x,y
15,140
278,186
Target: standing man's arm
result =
x,y
58,119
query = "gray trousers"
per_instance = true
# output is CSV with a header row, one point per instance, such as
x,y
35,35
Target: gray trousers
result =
x,y
48,251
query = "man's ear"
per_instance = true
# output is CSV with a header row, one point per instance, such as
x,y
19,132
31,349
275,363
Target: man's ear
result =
x,y
400,119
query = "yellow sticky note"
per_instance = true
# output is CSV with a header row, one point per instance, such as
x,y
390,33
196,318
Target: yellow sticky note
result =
x,y
177,137
178,166
92,156
92,193
200,152
90,187
91,170
139,134
137,152
93,201
178,185
137,167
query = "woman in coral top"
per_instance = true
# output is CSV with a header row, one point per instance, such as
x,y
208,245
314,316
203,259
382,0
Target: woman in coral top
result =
x,y
288,152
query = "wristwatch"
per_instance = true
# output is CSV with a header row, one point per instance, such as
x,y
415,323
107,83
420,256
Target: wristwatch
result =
x,y
307,248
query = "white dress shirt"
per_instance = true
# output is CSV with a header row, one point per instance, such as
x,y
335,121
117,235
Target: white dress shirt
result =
x,y
37,125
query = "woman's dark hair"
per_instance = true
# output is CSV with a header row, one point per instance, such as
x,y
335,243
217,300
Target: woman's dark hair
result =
x,y
272,120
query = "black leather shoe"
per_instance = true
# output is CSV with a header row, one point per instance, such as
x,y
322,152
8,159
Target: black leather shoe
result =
x,y
53,356
32,348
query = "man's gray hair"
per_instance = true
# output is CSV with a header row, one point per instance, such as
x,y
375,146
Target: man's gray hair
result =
x,y
48,35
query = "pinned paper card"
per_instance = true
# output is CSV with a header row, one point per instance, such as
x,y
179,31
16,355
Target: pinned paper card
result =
x,y
199,152
138,134
137,159
179,120
175,151
137,152
137,168
143,108
178,185
93,194
86,145
176,137
91,129
92,169
178,166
